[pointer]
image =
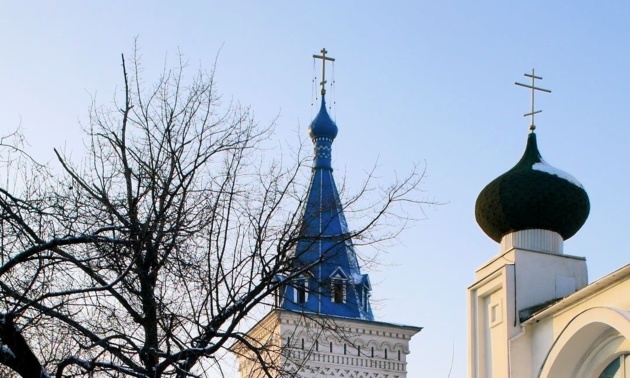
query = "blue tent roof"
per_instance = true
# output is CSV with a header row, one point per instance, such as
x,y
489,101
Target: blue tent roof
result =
x,y
333,284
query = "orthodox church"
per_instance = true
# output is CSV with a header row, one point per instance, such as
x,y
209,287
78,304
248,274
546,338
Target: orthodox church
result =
x,y
323,325
532,312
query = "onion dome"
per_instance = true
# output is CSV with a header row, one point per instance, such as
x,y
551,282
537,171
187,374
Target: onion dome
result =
x,y
532,195
323,131
322,126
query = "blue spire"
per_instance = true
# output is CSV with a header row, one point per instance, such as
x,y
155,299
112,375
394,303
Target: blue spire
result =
x,y
333,285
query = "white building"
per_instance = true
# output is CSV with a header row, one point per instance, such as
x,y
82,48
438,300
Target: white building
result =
x,y
532,312
317,345
323,325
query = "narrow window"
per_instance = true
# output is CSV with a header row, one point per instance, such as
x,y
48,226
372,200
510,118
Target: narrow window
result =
x,y
365,300
358,350
276,297
331,347
398,355
288,341
317,348
338,291
385,352
372,354
345,349
300,291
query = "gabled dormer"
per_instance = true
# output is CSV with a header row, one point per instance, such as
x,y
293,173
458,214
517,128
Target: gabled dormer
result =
x,y
338,286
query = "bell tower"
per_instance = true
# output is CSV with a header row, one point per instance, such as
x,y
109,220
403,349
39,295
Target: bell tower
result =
x,y
323,325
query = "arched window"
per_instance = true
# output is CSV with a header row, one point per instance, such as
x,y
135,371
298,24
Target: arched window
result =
x,y
618,368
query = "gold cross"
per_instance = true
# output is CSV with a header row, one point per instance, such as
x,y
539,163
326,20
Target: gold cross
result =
x,y
324,58
534,88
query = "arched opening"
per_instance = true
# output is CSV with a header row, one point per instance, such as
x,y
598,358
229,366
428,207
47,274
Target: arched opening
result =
x,y
588,344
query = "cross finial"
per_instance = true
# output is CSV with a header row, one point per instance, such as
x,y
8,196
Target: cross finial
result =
x,y
324,58
534,88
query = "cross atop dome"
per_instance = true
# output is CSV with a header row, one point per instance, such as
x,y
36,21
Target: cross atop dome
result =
x,y
324,58
323,129
534,88
532,195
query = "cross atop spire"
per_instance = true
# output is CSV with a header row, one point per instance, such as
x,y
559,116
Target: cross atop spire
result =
x,y
324,58
534,88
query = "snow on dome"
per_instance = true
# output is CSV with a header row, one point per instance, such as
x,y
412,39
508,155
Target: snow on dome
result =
x,y
543,166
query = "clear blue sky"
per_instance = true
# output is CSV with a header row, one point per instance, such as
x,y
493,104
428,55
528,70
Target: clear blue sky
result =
x,y
415,81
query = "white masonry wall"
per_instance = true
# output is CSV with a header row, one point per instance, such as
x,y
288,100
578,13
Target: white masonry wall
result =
x,y
530,270
316,347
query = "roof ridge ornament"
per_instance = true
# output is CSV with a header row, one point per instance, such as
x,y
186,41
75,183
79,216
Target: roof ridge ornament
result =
x,y
324,58
534,88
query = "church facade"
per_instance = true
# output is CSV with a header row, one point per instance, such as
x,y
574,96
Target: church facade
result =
x,y
323,325
532,312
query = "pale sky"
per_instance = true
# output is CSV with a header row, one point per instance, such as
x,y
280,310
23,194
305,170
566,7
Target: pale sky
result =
x,y
415,81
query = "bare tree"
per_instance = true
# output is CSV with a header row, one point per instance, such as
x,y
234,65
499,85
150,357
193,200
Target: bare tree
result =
x,y
145,258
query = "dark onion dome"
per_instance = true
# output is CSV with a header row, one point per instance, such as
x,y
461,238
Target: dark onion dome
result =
x,y
532,195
